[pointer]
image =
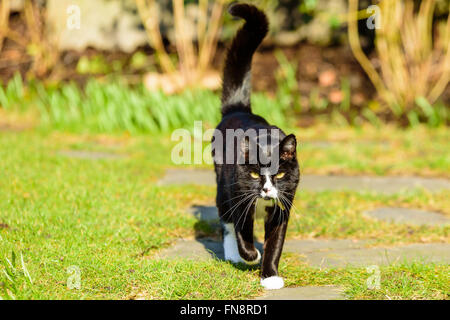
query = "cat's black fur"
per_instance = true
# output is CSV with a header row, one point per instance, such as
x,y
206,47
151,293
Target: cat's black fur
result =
x,y
234,181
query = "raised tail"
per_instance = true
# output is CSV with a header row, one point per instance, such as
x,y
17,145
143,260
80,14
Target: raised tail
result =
x,y
236,88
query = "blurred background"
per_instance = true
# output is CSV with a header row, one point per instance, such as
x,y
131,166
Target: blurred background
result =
x,y
91,92
153,66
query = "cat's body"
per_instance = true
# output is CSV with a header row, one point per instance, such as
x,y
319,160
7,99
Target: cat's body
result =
x,y
254,187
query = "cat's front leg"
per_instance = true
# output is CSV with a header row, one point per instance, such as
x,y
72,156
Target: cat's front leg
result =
x,y
275,232
244,236
236,249
238,238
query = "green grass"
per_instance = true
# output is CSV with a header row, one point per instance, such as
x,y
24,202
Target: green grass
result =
x,y
376,151
399,281
109,218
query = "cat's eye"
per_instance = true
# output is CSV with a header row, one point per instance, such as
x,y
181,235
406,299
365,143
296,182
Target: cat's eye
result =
x,y
280,175
254,175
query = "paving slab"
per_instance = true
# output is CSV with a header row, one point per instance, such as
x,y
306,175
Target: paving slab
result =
x,y
316,252
305,293
89,155
200,249
362,257
409,216
393,215
323,253
205,213
385,185
323,245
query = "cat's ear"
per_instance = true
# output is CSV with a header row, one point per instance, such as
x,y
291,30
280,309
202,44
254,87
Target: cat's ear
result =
x,y
288,147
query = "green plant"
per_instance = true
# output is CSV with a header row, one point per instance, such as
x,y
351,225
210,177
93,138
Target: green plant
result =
x,y
112,219
114,106
414,63
38,43
192,65
94,65
287,87
435,115
13,276
316,102
12,95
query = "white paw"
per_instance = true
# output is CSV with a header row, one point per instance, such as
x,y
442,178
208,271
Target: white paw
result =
x,y
256,261
232,254
272,283
233,258
230,247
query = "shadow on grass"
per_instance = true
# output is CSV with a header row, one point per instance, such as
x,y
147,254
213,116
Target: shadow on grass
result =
x,y
208,232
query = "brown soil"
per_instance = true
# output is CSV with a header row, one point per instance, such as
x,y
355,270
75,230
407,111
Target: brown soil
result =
x,y
311,62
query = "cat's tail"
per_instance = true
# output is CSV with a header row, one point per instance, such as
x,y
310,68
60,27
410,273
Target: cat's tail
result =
x,y
236,87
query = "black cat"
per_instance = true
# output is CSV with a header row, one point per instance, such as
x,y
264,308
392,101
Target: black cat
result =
x,y
261,176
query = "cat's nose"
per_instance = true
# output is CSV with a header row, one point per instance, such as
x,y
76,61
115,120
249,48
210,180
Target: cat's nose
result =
x,y
266,189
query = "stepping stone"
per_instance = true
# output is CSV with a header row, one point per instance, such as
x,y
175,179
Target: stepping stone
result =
x,y
361,257
386,185
186,176
316,252
315,245
200,249
304,293
205,213
323,253
409,216
90,155
395,215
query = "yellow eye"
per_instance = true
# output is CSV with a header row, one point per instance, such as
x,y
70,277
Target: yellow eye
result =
x,y
280,175
254,175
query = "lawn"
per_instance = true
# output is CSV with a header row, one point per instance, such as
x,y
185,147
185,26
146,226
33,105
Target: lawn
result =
x,y
86,138
109,217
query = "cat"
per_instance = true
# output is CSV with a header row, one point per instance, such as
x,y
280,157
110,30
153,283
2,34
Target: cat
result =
x,y
251,188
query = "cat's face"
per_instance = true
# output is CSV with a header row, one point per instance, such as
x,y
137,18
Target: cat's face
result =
x,y
271,182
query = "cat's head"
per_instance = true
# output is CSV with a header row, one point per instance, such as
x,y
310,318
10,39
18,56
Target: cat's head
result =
x,y
272,172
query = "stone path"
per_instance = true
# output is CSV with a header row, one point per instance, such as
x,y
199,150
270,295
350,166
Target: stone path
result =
x,y
384,185
321,254
409,216
395,215
305,293
325,253
331,253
